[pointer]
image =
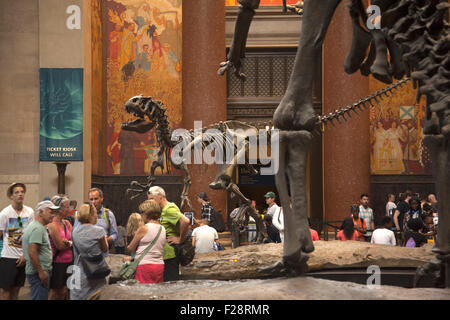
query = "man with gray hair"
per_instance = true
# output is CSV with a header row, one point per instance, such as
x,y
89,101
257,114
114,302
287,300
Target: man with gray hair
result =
x,y
38,252
176,225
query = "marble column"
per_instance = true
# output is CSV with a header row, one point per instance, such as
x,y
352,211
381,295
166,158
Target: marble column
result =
x,y
204,91
346,146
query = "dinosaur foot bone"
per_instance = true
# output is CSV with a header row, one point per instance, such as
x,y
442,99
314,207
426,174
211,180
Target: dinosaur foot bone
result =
x,y
227,65
282,268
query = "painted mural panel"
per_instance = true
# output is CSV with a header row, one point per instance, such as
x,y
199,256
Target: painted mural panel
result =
x,y
396,133
98,119
263,2
144,41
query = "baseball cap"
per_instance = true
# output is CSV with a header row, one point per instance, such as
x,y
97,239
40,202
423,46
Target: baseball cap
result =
x,y
46,204
9,191
203,195
270,194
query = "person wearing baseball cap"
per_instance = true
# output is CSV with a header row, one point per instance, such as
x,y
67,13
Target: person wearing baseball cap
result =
x,y
38,251
270,201
13,221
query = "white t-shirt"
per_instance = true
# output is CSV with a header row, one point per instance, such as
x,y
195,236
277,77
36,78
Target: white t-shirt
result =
x,y
13,229
383,236
278,221
204,239
390,208
271,210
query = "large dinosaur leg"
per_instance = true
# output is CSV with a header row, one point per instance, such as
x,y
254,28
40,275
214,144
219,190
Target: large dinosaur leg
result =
x,y
361,39
440,156
294,148
380,68
296,111
237,50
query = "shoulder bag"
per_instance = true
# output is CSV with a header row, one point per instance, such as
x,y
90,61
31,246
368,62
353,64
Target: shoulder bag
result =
x,y
128,269
95,267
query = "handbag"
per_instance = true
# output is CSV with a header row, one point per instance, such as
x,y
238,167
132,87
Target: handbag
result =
x,y
128,269
95,267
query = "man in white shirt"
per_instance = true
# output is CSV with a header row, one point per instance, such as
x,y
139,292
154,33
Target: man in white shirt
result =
x,y
204,237
270,201
384,235
278,222
366,214
390,205
13,221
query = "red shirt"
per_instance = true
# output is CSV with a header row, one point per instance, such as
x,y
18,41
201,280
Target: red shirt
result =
x,y
341,235
314,235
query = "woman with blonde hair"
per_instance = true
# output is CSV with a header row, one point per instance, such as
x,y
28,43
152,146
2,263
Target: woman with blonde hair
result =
x,y
134,222
89,242
151,236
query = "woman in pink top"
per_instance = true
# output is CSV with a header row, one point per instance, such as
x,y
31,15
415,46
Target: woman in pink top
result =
x,y
151,267
60,239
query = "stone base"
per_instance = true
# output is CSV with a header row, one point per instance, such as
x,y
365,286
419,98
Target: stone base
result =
x,y
300,288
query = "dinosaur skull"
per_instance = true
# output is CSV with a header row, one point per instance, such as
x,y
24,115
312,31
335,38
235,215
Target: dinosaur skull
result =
x,y
140,107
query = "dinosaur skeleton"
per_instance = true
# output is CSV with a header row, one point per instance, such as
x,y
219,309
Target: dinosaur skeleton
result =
x,y
414,41
151,113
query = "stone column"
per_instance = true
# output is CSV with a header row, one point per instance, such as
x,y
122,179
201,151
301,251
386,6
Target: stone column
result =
x,y
204,91
346,146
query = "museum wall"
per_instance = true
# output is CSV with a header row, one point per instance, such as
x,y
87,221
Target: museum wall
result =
x,y
61,47
35,36
19,97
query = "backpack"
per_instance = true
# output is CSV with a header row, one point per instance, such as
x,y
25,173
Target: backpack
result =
x,y
185,251
217,222
411,243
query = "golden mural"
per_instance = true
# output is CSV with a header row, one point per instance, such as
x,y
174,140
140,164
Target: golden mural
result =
x,y
396,133
143,57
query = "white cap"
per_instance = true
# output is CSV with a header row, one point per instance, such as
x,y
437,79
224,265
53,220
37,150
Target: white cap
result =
x,y
46,204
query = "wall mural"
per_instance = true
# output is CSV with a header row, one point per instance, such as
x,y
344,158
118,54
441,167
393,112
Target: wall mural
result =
x,y
263,2
396,134
98,118
144,41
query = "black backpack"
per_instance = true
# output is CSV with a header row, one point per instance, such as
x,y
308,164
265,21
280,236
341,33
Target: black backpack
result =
x,y
217,221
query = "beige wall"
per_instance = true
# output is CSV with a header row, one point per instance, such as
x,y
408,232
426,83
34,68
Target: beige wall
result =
x,y
19,97
33,35
60,47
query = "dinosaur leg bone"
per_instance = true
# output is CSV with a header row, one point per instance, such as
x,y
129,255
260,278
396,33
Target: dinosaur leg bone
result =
x,y
296,111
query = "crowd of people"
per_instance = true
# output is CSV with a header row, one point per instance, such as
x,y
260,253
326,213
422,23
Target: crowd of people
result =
x,y
409,222
55,240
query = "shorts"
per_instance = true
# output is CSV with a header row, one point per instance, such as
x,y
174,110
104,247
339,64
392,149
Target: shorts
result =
x,y
10,275
150,273
37,290
59,275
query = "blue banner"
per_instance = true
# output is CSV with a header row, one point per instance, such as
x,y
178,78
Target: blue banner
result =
x,y
61,117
